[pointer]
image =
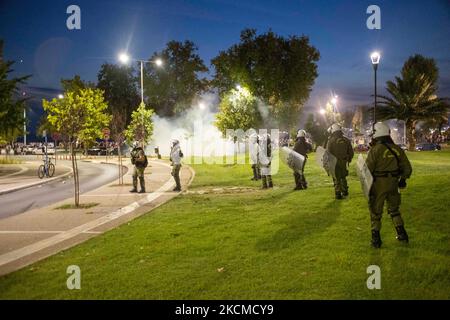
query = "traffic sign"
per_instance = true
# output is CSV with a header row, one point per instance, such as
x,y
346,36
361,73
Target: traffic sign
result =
x,y
106,133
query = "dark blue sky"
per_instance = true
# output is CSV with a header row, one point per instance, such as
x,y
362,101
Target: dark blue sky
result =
x,y
35,31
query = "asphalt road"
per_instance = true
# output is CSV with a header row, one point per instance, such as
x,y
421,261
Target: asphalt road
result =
x,y
92,176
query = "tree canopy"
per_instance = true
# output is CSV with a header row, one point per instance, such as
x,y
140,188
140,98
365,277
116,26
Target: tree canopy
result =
x,y
238,110
120,91
171,88
12,104
280,71
412,97
141,125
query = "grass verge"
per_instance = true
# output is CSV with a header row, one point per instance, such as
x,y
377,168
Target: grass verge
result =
x,y
227,239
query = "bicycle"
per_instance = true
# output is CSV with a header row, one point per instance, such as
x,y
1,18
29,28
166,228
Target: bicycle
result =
x,y
47,169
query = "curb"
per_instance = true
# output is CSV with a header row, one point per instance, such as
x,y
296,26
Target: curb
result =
x,y
37,183
17,254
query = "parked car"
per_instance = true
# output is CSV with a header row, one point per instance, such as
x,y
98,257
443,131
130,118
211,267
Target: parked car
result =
x,y
403,146
101,151
428,147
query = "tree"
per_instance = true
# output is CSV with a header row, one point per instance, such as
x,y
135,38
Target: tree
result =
x,y
317,128
238,110
119,85
76,84
413,98
11,107
418,64
80,115
141,126
280,71
172,88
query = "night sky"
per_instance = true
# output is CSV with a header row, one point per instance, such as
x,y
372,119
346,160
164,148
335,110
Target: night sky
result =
x,y
36,32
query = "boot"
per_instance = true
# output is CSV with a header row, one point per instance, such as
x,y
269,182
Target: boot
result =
x,y
178,186
376,239
401,234
269,181
134,185
255,174
264,182
303,183
345,193
338,196
298,185
142,182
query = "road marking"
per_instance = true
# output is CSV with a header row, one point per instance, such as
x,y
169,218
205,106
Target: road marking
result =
x,y
22,170
84,228
124,194
39,231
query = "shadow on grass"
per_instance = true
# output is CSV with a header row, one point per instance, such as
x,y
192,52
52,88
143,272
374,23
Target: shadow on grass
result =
x,y
300,226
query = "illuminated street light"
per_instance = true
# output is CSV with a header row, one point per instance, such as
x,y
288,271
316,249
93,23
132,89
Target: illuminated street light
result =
x,y
159,62
60,96
334,100
238,87
375,58
124,58
202,106
322,111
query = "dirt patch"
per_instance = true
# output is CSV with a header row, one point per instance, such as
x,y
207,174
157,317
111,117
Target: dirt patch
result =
x,y
223,190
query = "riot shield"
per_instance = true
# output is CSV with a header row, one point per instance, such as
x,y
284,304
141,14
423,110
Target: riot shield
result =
x,y
365,177
294,160
326,160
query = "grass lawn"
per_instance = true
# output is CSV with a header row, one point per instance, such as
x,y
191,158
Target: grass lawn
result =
x,y
226,239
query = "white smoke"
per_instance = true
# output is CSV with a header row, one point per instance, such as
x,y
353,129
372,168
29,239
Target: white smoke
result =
x,y
194,129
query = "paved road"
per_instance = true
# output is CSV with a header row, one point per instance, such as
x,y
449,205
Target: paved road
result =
x,y
92,176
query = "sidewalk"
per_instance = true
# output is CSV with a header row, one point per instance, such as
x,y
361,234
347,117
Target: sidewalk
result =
x,y
39,233
15,177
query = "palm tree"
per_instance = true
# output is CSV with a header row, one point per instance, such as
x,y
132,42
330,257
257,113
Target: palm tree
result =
x,y
412,99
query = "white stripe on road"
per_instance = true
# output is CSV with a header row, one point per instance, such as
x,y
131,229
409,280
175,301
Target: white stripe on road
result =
x,y
37,246
38,232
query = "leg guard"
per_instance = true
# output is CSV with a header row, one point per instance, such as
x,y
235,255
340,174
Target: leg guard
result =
x,y
376,239
264,182
142,183
401,234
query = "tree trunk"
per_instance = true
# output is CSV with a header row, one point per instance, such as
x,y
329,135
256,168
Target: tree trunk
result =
x,y
75,175
411,134
119,152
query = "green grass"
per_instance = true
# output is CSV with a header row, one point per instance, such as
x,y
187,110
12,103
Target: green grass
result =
x,y
9,160
222,242
80,206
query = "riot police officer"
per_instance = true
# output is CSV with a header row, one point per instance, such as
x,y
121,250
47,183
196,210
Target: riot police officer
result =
x,y
139,160
175,158
340,147
302,147
390,168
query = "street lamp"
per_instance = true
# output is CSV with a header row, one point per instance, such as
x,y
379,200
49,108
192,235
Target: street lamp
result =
x,y
375,58
60,96
125,58
322,111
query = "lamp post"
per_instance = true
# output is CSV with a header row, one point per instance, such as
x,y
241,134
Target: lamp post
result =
x,y
375,58
125,58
